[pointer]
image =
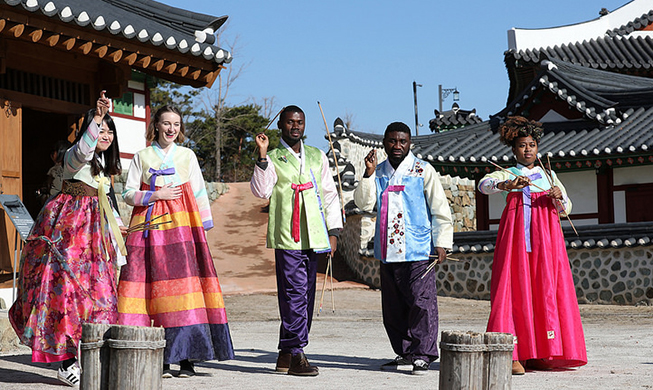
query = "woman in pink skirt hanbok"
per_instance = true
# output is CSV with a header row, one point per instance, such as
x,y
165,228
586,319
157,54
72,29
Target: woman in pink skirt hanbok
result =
x,y
68,267
532,289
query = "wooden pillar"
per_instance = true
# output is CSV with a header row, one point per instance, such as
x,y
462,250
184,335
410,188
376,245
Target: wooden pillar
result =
x,y
95,357
136,360
605,196
482,211
472,360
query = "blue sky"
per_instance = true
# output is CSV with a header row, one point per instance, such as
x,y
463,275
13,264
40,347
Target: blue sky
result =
x,y
360,58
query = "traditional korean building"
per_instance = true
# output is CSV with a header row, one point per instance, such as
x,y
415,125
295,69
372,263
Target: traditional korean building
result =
x,y
594,95
55,58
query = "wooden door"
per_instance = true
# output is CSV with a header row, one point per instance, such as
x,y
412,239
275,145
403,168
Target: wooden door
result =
x,y
10,174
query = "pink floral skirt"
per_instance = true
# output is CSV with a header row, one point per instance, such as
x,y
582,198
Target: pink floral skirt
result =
x,y
67,278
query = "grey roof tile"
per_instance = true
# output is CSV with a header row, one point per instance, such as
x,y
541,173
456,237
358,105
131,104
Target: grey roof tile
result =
x,y
620,53
616,235
144,20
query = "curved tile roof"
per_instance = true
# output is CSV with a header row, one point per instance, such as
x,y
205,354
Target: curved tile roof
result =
x,y
569,144
453,119
143,20
632,53
637,24
599,96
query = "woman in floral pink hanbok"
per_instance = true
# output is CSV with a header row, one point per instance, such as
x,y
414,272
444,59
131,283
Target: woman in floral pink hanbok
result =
x,y
68,267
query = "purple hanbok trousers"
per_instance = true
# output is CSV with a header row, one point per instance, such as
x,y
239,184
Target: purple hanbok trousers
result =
x,y
410,309
296,276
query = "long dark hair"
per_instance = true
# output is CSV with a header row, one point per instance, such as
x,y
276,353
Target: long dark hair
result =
x,y
111,156
60,147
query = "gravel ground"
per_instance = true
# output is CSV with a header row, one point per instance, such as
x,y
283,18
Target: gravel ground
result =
x,y
350,345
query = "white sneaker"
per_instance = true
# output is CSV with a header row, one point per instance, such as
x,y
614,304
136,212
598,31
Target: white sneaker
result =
x,y
420,367
69,376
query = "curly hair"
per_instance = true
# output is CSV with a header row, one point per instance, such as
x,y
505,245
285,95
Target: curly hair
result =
x,y
518,126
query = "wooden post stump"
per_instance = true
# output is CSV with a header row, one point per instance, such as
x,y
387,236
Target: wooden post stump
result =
x,y
95,357
136,357
475,361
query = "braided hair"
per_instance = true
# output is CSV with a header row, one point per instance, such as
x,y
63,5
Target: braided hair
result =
x,y
518,126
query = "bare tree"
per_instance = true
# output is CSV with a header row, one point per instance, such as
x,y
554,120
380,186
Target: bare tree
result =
x,y
348,119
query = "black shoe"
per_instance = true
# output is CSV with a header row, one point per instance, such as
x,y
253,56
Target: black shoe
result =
x,y
395,364
167,372
420,367
283,362
187,369
300,366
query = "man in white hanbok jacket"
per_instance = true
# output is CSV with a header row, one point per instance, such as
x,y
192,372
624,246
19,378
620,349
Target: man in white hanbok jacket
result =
x,y
413,222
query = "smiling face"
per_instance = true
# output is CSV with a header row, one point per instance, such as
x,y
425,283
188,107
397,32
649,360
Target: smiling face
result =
x,y
525,151
397,146
292,127
168,128
105,138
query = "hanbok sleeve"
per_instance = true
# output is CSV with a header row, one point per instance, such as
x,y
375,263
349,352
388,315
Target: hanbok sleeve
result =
x,y
331,201
488,184
441,220
564,206
199,190
263,181
132,193
83,151
365,194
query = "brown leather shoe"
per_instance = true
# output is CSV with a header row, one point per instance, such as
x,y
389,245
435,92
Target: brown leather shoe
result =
x,y
283,362
517,368
539,364
300,366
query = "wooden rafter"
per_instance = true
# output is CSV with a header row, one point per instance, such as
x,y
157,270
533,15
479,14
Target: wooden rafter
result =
x,y
174,66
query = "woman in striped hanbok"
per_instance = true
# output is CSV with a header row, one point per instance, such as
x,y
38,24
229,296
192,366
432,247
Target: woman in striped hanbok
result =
x,y
170,279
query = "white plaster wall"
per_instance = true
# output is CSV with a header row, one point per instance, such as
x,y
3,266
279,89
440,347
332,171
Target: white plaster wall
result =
x,y
633,175
581,189
496,203
139,105
522,39
619,198
137,85
131,135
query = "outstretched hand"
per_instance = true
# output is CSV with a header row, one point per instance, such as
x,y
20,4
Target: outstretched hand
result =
x,y
370,163
263,144
102,106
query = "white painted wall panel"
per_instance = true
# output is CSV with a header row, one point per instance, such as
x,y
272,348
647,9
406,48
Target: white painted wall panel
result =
x,y
581,189
139,105
633,175
131,135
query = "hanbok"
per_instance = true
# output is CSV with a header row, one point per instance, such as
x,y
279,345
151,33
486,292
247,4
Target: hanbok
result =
x,y
170,279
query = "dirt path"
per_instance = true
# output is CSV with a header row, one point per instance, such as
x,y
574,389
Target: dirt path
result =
x,y
237,243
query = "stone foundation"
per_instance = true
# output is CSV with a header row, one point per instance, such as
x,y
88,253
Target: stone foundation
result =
x,y
620,276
